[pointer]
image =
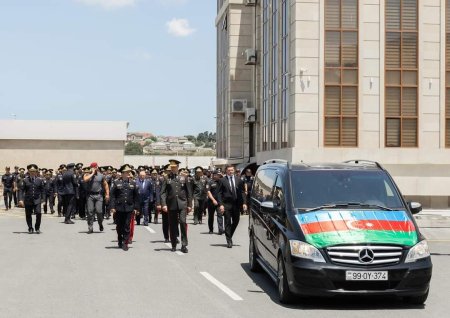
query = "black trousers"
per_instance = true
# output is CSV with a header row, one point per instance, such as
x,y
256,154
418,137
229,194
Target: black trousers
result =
x,y
15,198
60,204
178,217
29,209
232,216
81,206
68,205
212,210
7,196
123,220
49,199
165,225
199,209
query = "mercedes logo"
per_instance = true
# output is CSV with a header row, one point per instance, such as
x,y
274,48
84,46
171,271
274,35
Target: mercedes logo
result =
x,y
366,256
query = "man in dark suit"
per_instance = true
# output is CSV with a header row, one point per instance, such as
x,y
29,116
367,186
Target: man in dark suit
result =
x,y
145,186
69,190
30,195
231,198
176,200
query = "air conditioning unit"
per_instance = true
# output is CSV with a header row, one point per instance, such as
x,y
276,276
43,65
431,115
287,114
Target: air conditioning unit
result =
x,y
238,106
250,57
250,3
250,115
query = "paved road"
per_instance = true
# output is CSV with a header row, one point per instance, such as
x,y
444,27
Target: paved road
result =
x,y
65,272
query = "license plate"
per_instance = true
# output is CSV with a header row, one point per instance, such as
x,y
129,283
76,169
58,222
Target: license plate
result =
x,y
366,276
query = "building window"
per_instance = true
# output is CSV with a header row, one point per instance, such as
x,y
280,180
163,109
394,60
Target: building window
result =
x,y
285,66
265,67
341,73
447,73
401,52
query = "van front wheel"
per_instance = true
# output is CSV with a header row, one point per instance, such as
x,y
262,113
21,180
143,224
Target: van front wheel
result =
x,y
284,294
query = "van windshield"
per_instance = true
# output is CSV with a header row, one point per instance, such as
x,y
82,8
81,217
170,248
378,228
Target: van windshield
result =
x,y
314,189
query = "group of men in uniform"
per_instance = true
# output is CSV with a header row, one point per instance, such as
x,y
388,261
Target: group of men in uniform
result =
x,y
131,195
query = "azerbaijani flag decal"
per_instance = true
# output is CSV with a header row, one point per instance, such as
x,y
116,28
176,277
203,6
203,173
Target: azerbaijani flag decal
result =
x,y
331,227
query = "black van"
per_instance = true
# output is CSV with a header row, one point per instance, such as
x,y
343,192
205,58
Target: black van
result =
x,y
336,229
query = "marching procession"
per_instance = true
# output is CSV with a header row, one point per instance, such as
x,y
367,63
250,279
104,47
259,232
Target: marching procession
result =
x,y
132,197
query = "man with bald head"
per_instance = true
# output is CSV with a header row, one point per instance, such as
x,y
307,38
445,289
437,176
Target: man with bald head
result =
x,y
145,186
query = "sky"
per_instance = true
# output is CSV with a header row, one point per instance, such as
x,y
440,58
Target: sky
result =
x,y
151,63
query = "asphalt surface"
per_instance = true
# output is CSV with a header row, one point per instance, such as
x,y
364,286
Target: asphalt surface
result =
x,y
64,272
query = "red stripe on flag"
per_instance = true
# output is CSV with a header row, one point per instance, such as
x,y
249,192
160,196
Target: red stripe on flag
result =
x,y
351,225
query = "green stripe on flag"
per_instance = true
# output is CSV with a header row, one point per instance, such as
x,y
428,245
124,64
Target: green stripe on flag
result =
x,y
326,239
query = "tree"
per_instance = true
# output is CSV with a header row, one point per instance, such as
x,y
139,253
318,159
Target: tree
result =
x,y
191,138
154,138
133,148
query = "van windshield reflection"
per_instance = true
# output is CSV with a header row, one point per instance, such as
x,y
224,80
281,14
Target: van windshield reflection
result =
x,y
331,189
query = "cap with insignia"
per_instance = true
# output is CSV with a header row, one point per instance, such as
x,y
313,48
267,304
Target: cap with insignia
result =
x,y
109,168
62,166
198,169
48,172
79,165
166,167
154,171
140,168
22,169
32,168
102,169
125,168
70,165
16,167
174,163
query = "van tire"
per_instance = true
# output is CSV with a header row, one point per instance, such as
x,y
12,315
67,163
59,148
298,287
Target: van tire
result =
x,y
284,294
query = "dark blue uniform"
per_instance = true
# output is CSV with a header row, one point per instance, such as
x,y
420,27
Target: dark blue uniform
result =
x,y
32,191
124,198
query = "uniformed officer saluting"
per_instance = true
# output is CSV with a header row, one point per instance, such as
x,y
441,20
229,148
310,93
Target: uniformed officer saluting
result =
x,y
176,199
124,198
30,194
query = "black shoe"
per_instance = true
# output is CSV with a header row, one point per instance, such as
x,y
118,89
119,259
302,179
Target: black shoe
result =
x,y
125,247
195,222
52,212
166,241
69,222
120,244
90,229
38,231
211,232
229,244
184,249
178,241
156,222
221,232
30,230
145,224
201,222
101,228
174,249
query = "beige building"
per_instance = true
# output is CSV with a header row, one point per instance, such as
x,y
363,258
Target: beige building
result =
x,y
50,143
334,80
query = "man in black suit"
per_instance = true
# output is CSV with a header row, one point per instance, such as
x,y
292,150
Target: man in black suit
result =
x,y
231,198
30,195
70,183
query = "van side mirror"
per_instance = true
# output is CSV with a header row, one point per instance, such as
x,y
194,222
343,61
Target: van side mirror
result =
x,y
415,207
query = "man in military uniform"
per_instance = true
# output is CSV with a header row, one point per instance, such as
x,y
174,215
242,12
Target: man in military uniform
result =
x,y
176,199
60,187
49,192
15,175
69,192
18,183
213,205
155,205
248,179
200,183
32,190
124,201
8,186
96,185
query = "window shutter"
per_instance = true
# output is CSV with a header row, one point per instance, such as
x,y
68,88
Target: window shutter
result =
x,y
409,132
349,132
393,132
393,15
332,132
332,14
349,14
409,15
332,101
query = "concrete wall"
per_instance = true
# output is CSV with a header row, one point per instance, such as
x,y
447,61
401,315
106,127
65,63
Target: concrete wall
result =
x,y
51,153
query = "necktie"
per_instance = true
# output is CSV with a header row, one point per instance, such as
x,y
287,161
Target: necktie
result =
x,y
233,189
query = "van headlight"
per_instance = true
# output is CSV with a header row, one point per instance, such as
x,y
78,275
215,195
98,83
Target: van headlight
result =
x,y
305,250
418,251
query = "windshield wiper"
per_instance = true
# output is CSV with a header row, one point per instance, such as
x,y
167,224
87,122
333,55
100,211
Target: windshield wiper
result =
x,y
346,205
